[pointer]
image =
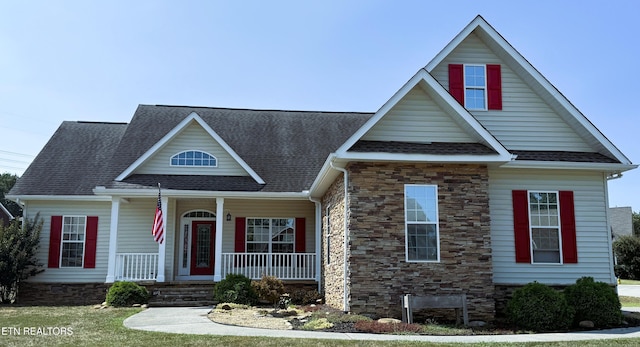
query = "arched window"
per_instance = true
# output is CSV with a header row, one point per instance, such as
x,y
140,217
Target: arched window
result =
x,y
199,214
194,158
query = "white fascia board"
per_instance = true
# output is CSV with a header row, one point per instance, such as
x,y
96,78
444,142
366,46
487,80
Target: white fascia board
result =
x,y
57,198
479,22
326,176
175,131
530,164
153,192
431,158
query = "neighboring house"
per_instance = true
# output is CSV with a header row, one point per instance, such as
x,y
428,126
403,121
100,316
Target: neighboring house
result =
x,y
477,176
5,216
621,220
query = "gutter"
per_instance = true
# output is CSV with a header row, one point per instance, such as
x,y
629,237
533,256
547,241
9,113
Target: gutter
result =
x,y
346,231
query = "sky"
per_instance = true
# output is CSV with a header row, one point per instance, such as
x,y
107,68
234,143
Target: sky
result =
x,y
98,60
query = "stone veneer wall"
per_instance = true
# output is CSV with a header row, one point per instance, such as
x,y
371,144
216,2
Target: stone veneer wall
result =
x,y
378,268
332,250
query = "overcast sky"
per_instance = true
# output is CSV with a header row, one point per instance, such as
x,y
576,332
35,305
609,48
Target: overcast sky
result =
x,y
97,60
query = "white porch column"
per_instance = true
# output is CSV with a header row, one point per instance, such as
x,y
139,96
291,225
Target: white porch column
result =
x,y
113,240
220,218
162,247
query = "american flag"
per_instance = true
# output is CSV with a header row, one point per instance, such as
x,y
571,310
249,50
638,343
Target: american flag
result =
x,y
158,226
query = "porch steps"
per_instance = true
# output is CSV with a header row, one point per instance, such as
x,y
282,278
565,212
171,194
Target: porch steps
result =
x,y
181,294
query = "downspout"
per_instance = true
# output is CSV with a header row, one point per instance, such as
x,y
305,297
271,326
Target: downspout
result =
x,y
346,230
318,240
607,178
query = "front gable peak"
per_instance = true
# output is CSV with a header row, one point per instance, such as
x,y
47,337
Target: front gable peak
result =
x,y
192,121
398,117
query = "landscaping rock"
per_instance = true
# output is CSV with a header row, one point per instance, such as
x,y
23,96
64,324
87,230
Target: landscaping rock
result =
x,y
389,320
226,307
136,305
586,324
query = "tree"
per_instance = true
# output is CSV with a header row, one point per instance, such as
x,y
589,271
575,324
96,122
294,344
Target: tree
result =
x,y
18,248
635,218
7,181
627,251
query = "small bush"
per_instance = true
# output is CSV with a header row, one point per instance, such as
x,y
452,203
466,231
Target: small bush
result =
x,y
538,307
235,288
386,328
317,324
122,294
594,301
305,297
269,289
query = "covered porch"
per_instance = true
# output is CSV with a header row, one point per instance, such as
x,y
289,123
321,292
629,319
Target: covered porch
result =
x,y
208,238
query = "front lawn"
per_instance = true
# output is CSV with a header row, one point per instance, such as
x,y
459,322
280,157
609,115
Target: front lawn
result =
x,y
86,326
630,282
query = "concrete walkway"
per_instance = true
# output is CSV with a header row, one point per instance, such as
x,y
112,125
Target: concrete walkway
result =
x,y
193,320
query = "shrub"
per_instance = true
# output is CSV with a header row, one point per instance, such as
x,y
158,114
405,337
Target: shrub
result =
x,y
627,251
18,247
305,297
538,307
269,289
594,301
122,294
317,324
235,288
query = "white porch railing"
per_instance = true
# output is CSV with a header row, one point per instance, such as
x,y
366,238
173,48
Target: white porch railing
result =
x,y
285,266
136,266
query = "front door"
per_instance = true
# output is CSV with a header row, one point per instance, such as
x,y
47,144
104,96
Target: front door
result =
x,y
203,235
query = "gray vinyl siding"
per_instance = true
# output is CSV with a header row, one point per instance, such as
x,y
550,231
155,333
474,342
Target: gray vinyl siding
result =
x,y
591,225
46,209
417,118
193,137
526,121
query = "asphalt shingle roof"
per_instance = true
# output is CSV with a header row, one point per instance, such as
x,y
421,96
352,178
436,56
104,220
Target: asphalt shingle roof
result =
x,y
285,148
445,148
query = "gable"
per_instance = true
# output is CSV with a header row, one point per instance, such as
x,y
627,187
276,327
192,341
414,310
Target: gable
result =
x,y
192,137
417,118
526,121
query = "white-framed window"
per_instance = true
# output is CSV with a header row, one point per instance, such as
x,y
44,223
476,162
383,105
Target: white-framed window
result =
x,y
270,235
475,87
421,223
72,245
545,231
194,158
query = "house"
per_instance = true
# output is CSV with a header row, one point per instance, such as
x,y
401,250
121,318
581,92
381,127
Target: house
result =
x,y
5,215
477,176
621,221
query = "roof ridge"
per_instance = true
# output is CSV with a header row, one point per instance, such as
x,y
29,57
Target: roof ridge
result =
x,y
259,109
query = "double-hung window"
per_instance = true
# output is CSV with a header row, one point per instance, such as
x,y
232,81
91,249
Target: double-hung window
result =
x,y
544,215
270,235
421,223
73,239
475,87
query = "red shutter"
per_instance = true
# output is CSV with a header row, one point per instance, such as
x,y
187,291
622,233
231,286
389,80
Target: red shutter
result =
x,y
456,82
90,243
568,224
300,235
494,87
54,241
240,234
521,226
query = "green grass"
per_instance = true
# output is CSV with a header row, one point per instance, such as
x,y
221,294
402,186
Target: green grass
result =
x,y
631,282
630,301
93,327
